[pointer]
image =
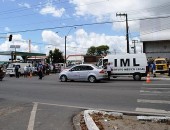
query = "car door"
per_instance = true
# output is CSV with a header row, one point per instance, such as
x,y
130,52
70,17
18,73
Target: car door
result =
x,y
85,70
74,73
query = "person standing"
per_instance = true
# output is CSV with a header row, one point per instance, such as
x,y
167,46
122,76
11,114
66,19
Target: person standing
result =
x,y
40,70
154,69
26,71
109,69
17,71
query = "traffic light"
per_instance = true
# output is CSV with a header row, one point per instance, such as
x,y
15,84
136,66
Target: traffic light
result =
x,y
10,37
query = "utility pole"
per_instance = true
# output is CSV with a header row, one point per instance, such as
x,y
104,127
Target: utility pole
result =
x,y
65,61
29,45
134,42
127,29
65,39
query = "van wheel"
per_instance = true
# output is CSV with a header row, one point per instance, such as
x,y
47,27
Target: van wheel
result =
x,y
92,79
63,78
137,77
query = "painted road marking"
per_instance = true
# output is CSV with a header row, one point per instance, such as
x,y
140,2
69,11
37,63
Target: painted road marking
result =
x,y
50,104
152,110
109,110
156,84
154,92
153,101
156,88
85,108
32,117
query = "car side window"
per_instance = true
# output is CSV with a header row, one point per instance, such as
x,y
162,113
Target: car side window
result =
x,y
76,68
87,68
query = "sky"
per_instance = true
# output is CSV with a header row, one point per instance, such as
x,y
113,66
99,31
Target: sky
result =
x,y
85,23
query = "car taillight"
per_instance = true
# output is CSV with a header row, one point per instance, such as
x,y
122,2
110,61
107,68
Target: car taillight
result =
x,y
102,72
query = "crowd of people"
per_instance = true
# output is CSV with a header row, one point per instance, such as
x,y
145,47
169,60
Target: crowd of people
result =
x,y
38,69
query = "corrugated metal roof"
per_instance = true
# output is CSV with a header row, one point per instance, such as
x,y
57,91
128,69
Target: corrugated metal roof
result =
x,y
21,53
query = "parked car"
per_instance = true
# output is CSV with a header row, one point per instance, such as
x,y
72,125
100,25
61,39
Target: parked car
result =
x,y
2,73
11,68
83,72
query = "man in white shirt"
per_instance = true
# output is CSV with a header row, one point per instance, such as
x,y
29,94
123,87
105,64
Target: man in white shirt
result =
x,y
109,69
26,71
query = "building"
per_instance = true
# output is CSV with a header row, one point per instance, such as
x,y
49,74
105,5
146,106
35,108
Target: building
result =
x,y
75,59
155,35
82,59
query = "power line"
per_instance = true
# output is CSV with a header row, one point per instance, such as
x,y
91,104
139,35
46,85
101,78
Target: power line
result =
x,y
71,7
33,6
59,27
19,10
80,25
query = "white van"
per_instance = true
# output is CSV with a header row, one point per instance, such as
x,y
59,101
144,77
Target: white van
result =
x,y
11,68
134,65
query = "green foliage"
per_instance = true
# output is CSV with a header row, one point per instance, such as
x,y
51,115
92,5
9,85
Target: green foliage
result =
x,y
91,50
55,56
97,51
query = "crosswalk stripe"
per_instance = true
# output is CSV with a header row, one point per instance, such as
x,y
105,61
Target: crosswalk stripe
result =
x,y
156,84
153,101
156,88
150,110
156,92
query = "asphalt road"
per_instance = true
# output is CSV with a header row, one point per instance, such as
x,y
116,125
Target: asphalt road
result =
x,y
33,104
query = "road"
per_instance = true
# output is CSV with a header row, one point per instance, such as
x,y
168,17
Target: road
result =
x,y
33,104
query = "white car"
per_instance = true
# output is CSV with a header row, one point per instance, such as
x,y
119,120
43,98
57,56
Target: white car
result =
x,y
83,72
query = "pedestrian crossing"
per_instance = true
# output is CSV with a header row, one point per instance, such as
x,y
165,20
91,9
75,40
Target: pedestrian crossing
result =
x,y
154,98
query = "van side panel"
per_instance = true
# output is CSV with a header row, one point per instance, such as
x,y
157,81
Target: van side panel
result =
x,y
128,64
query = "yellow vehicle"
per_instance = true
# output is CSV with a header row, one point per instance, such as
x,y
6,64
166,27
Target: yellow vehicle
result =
x,y
161,65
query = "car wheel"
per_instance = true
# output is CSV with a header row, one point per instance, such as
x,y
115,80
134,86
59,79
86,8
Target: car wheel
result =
x,y
137,77
63,78
92,79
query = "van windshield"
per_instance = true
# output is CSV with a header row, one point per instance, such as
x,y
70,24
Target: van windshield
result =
x,y
160,62
99,62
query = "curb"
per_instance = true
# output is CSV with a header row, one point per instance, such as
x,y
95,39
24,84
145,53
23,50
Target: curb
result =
x,y
89,121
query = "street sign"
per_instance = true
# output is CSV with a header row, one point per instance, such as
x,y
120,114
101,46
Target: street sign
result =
x,y
14,46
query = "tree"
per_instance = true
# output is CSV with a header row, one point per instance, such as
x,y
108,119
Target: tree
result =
x,y
103,49
55,56
58,56
91,50
97,51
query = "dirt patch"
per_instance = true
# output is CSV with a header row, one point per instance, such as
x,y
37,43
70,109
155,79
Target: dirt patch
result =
x,y
110,122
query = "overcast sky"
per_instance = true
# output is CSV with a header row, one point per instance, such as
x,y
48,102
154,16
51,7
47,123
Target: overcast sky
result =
x,y
47,22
